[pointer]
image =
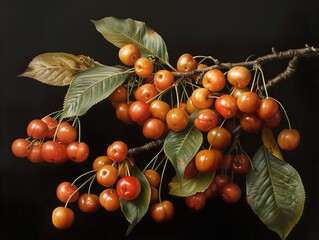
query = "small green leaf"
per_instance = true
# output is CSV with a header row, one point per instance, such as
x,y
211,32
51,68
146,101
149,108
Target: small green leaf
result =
x,y
57,68
91,87
181,147
134,210
191,186
275,192
124,31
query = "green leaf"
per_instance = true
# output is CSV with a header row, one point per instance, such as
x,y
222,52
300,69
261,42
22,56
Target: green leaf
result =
x,y
191,186
181,147
134,210
57,68
124,31
91,87
275,192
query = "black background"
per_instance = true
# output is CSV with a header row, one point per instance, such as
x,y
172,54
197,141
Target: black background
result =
x,y
228,30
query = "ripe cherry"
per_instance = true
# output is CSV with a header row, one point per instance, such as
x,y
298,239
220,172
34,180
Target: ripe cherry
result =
x,y
250,122
52,124
207,160
37,129
101,161
139,111
159,109
54,152
143,67
288,139
128,187
77,151
128,54
186,62
239,76
122,112
206,119
190,170
211,191
273,121
145,92
162,211
153,128
109,199
66,133
267,108
248,102
177,119
230,193
89,202
196,201
118,95
219,137
153,177
163,79
214,80
67,191
226,105
117,151
221,180
107,175
240,163
200,98
35,154
62,217
20,147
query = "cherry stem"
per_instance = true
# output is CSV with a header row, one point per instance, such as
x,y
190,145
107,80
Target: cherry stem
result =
x,y
283,109
161,181
82,175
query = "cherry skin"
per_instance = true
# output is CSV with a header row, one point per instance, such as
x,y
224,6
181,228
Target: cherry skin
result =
x,y
190,170
163,79
239,76
62,217
77,151
219,137
109,199
118,95
267,108
54,152
128,54
214,80
139,111
250,122
128,187
207,160
107,175
206,119
89,202
240,163
145,92
143,67
20,147
200,98
196,201
153,177
288,139
101,161
177,119
211,191
186,63
153,128
35,154
162,211
273,121
66,133
37,129
221,181
248,102
122,112
52,124
226,105
190,108
65,190
159,109
230,193
238,91
117,151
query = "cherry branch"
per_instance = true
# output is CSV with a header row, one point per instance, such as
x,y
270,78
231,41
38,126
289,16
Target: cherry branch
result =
x,y
292,54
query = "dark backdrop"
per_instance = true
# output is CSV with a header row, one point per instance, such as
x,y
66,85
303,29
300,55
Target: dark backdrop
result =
x,y
229,30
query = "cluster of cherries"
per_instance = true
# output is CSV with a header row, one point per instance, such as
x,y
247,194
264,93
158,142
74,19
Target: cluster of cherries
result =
x,y
50,141
141,101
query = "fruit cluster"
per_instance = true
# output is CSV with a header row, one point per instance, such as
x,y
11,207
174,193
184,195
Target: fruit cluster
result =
x,y
50,141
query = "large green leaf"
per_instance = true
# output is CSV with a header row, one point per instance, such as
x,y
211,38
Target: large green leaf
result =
x,y
134,210
191,186
91,87
181,147
275,192
124,31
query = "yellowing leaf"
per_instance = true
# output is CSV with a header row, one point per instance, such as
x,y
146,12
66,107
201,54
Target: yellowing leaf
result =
x,y
58,69
270,142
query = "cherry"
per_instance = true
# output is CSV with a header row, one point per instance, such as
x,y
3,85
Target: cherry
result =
x,y
190,170
200,98
128,54
53,152
190,108
143,67
52,124
207,160
211,191
122,112
288,139
139,111
273,121
250,122
125,167
221,181
35,154
153,177
239,76
159,109
163,79
77,151
62,217
65,190
226,105
128,187
214,80
101,161
117,151
154,195
66,133
109,199
248,102
177,119
89,202
37,129
118,95
240,163
230,193
267,108
238,91
107,175
219,137
153,128
145,92
196,201
20,147
206,119
186,62
162,211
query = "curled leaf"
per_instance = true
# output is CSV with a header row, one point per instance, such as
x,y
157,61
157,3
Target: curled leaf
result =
x,y
123,31
58,69
270,142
